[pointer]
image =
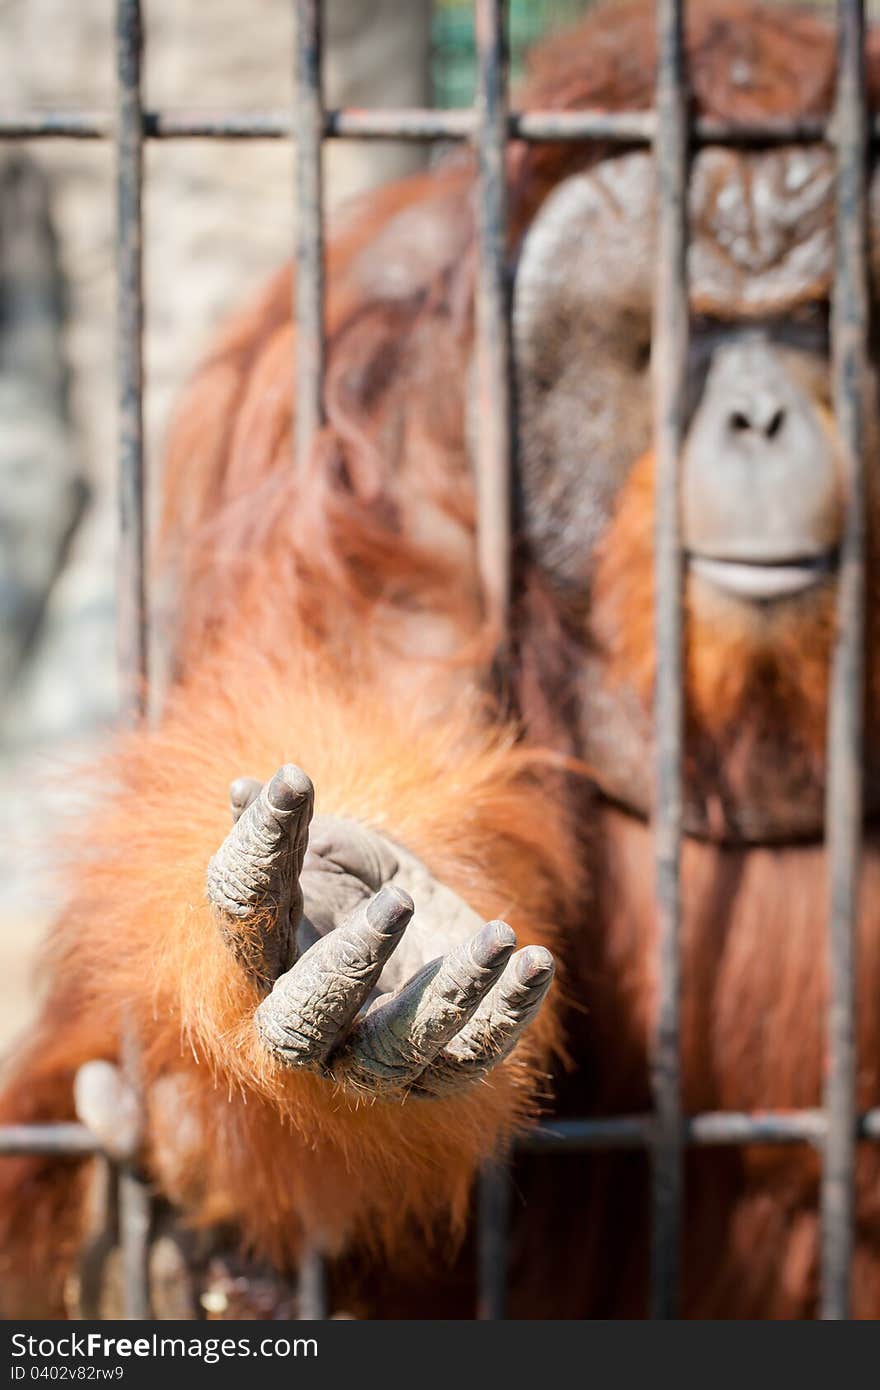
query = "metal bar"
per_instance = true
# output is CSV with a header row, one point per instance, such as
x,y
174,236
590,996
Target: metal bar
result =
x,y
312,1287
56,125
309,305
571,1136
308,311
710,1130
493,1227
723,1128
495,441
669,371
135,1221
640,128
843,806
135,1208
414,123
131,591
714,1127
102,1239
72,1139
131,597
494,496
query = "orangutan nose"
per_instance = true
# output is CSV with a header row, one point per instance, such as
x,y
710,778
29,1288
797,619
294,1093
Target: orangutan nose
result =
x,y
760,483
762,414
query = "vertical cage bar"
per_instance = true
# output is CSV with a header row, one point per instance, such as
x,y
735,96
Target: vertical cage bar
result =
x,y
135,1208
843,808
312,1286
309,307
669,373
494,490
493,1229
135,1220
102,1240
309,368
133,1194
495,434
131,586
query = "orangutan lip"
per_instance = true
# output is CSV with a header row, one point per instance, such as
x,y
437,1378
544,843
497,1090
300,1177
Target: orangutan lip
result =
x,y
763,579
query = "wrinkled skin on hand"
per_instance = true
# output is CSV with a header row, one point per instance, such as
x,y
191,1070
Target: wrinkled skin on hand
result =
x,y
377,975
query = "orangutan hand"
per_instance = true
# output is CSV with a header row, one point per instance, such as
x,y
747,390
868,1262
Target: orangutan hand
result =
x,y
320,920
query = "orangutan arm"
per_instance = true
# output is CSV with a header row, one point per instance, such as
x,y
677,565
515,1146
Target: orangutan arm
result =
x,y
310,1057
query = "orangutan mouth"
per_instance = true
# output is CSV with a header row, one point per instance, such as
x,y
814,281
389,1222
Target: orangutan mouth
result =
x,y
763,579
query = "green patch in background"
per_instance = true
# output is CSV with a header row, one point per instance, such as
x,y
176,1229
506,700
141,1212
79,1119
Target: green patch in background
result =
x,y
453,60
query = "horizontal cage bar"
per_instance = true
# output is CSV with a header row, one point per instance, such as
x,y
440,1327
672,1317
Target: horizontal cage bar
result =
x,y
714,1128
73,1139
415,123
710,1129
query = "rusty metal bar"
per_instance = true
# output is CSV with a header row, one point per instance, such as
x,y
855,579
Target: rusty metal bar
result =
x,y
843,806
494,450
494,494
574,1136
312,1301
308,311
640,128
135,1221
56,125
495,439
401,123
131,597
135,1207
493,1231
72,1139
710,1130
309,305
669,360
101,1241
414,123
131,589
713,1127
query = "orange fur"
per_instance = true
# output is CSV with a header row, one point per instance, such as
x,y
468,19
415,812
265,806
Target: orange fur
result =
x,y
754,1005
277,1152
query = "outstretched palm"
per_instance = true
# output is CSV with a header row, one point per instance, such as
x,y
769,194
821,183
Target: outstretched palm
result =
x,y
321,921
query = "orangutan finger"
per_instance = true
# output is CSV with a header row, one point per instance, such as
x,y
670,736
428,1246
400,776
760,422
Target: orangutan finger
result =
x,y
389,1047
312,1006
242,792
496,1026
253,879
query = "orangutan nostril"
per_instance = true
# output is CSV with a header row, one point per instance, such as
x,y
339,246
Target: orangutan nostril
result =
x,y
775,424
757,421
